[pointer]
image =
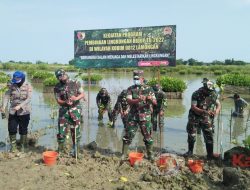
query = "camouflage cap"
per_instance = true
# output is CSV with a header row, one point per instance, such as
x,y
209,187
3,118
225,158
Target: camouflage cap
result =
x,y
59,72
138,73
205,80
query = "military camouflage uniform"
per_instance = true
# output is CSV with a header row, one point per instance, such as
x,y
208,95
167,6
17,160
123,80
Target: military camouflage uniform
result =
x,y
139,114
205,101
68,115
121,107
161,99
104,104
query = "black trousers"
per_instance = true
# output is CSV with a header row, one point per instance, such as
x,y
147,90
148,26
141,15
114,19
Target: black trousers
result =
x,y
18,120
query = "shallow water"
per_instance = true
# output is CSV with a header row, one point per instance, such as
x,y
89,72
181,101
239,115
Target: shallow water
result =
x,y
174,136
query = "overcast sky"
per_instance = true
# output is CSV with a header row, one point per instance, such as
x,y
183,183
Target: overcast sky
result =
x,y
43,30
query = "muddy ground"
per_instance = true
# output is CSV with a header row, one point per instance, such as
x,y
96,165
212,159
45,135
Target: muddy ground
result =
x,y
103,169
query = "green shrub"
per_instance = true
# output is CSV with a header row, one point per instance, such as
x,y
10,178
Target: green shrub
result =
x,y
51,81
4,78
234,79
93,77
170,84
41,75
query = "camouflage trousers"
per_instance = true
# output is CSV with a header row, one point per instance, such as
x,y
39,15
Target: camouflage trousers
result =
x,y
115,113
155,115
207,129
69,120
145,124
102,109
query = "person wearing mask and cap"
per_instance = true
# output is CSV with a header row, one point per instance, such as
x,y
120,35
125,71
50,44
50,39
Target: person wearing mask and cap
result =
x,y
159,109
19,96
239,105
204,107
68,94
103,102
141,98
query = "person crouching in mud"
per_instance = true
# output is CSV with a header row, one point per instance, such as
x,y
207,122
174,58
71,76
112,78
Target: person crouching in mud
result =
x,y
204,107
68,94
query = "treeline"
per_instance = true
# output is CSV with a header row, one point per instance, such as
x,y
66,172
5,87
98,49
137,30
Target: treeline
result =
x,y
193,62
190,62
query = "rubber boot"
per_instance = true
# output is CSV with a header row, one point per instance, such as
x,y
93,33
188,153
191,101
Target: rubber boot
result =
x,y
23,142
110,124
190,150
150,155
13,147
125,151
61,148
210,152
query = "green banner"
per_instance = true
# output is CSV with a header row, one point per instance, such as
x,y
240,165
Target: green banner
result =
x,y
125,47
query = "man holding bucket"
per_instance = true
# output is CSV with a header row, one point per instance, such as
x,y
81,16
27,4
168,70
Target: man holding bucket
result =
x,y
68,94
141,98
204,107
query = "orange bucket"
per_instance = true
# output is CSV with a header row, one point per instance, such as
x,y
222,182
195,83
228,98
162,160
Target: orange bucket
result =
x,y
135,157
49,157
196,166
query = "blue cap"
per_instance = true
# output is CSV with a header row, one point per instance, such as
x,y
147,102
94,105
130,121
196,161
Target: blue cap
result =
x,y
17,77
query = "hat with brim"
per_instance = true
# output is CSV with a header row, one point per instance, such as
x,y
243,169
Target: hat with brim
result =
x,y
17,77
137,74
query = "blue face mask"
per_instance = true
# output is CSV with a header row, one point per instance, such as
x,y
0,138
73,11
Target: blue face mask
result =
x,y
137,82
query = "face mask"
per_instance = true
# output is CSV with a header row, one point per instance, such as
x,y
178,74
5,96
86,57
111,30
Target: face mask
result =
x,y
137,82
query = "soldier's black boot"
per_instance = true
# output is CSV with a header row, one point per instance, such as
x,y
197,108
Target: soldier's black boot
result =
x,y
150,155
125,151
13,147
24,143
190,150
210,152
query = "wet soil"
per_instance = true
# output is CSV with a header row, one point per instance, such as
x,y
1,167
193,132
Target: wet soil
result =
x,y
104,169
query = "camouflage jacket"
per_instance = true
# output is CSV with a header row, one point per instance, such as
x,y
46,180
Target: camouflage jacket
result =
x,y
103,100
65,91
161,98
203,101
134,92
122,103
18,97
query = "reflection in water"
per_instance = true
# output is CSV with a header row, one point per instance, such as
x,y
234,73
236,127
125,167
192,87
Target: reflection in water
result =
x,y
238,127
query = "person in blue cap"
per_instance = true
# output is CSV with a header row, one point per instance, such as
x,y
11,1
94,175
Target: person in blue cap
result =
x,y
19,96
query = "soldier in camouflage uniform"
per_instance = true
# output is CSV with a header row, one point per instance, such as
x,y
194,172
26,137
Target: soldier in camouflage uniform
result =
x,y
103,102
19,95
158,110
68,94
141,98
204,107
121,107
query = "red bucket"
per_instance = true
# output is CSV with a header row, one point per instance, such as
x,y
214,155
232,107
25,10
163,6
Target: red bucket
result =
x,y
49,157
196,166
135,157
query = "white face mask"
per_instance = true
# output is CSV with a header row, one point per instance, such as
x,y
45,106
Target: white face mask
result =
x,y
137,82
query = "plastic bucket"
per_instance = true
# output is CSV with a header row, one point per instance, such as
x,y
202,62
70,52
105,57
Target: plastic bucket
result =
x,y
162,160
196,166
49,157
135,157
